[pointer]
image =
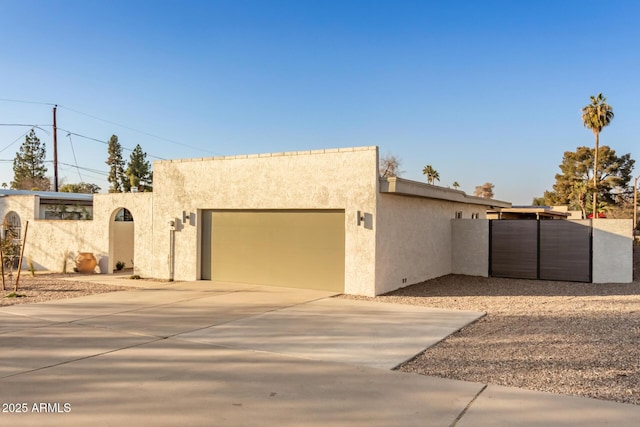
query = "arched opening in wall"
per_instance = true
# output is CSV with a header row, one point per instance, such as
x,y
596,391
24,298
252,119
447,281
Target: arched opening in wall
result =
x,y
121,241
11,225
10,238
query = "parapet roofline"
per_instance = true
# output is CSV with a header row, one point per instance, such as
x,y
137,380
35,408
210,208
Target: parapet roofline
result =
x,y
405,187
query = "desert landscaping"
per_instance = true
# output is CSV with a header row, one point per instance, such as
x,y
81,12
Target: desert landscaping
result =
x,y
577,339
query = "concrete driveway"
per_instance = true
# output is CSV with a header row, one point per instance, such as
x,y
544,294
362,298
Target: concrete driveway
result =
x,y
202,353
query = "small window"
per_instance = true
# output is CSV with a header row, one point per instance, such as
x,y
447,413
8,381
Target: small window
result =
x,y
124,215
459,215
475,215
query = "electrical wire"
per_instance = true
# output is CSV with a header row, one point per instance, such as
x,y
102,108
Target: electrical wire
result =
x,y
94,175
96,171
29,126
24,134
112,123
104,142
74,156
26,102
137,130
69,134
14,141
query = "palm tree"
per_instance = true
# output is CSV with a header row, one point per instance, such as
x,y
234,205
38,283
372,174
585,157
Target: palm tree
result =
x,y
596,116
431,173
456,184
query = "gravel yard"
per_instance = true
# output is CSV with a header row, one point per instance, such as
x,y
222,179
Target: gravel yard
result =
x,y
47,287
577,339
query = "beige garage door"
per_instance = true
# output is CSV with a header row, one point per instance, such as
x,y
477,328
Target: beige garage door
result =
x,y
294,248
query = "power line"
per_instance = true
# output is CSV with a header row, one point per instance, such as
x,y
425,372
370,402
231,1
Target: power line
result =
x,y
74,156
104,142
28,126
26,102
96,171
14,141
137,130
24,134
112,123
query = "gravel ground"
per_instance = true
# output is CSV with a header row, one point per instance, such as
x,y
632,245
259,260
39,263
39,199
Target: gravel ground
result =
x,y
577,339
47,287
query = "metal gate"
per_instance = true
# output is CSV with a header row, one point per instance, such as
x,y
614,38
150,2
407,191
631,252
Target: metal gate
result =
x,y
542,249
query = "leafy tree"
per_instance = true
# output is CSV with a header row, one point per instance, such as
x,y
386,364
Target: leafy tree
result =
x,y
485,190
139,170
82,187
117,178
596,116
390,166
576,179
431,174
28,166
456,185
538,201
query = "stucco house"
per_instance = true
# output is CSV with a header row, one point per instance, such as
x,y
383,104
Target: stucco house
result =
x,y
319,219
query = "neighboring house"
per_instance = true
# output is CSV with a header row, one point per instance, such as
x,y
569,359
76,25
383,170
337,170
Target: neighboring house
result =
x,y
572,214
51,205
319,219
528,212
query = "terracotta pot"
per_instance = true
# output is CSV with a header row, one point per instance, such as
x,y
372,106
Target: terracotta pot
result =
x,y
86,262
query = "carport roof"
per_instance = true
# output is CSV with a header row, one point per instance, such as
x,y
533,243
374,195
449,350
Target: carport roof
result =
x,y
405,187
48,195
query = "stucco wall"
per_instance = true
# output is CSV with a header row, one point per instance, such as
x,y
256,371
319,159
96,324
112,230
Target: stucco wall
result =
x,y
323,179
105,207
414,239
612,251
52,244
470,253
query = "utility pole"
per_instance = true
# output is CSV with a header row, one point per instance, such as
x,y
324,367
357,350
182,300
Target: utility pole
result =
x,y
635,205
55,151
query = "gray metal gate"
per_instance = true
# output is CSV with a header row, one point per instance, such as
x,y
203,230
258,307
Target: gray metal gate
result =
x,y
542,249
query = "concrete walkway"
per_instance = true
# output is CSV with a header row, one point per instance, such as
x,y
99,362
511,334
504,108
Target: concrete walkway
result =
x,y
202,353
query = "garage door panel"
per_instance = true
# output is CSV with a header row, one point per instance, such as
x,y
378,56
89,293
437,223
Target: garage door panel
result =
x,y
282,248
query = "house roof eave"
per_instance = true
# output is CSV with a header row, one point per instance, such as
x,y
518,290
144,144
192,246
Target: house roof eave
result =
x,y
408,188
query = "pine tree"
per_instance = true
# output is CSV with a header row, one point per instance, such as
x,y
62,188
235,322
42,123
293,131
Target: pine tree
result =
x,y
139,170
117,177
28,166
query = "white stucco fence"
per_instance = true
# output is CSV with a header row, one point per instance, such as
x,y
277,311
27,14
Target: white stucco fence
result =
x,y
612,251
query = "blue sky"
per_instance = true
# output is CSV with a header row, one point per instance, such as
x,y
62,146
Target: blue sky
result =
x,y
481,90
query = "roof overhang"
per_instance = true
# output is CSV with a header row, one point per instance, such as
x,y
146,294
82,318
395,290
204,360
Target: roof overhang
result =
x,y
47,196
539,212
404,187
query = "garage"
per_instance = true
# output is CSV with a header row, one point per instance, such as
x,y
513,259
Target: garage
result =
x,y
292,248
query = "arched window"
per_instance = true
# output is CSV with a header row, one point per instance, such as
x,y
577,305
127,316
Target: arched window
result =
x,y
123,215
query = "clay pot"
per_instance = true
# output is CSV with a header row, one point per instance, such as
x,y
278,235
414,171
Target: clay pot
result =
x,y
86,262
